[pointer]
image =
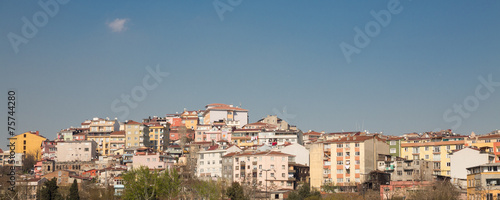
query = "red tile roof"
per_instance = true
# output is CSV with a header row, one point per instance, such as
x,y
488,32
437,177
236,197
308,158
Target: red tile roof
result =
x,y
132,122
118,133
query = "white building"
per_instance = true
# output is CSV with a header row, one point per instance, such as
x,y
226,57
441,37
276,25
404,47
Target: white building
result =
x,y
209,163
300,152
465,158
75,151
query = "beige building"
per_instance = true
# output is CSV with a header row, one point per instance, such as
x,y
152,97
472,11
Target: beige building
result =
x,y
268,169
134,134
75,151
345,161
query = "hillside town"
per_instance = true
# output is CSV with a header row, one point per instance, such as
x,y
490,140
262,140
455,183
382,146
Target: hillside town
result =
x,y
269,157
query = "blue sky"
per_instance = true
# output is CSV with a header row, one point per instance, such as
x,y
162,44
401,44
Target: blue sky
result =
x,y
266,55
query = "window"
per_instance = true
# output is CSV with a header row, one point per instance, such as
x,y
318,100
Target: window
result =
x,y
340,180
260,174
340,162
283,175
260,166
400,173
339,153
357,153
392,142
272,157
393,150
339,145
409,173
272,174
340,171
272,166
427,157
406,149
448,164
282,166
356,145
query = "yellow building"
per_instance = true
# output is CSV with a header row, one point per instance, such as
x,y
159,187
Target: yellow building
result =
x,y
103,141
134,134
245,137
190,119
483,182
345,161
436,149
28,143
158,136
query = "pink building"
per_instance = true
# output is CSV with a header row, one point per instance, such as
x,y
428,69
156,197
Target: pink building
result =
x,y
254,167
152,160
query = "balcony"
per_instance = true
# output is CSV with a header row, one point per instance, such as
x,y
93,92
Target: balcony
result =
x,y
292,171
325,175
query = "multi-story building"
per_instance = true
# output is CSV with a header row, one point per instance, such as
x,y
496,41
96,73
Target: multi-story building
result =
x,y
406,170
68,134
28,143
245,137
134,134
278,137
209,163
28,189
345,160
103,140
190,119
6,159
269,169
483,182
103,125
158,136
437,149
216,112
394,145
117,141
311,136
464,158
49,150
275,121
488,143
75,151
151,160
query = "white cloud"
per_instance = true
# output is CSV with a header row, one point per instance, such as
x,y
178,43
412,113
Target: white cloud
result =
x,y
118,25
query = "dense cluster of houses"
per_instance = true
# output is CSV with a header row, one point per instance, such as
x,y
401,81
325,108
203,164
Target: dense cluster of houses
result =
x,y
271,155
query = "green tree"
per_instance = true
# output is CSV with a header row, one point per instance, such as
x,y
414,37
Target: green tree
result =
x,y
73,191
235,192
49,191
141,183
212,190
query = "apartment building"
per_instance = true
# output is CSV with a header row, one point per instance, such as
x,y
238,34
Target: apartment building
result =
x,y
394,145
406,170
75,151
264,169
209,163
158,136
464,158
345,161
49,150
151,160
436,149
190,119
69,134
28,143
245,137
134,134
102,125
483,182
117,141
229,113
